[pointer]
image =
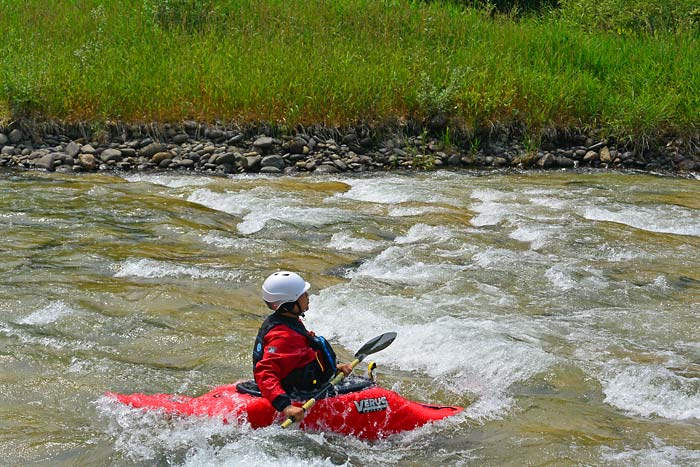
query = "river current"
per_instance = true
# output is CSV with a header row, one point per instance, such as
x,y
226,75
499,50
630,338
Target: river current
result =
x,y
562,310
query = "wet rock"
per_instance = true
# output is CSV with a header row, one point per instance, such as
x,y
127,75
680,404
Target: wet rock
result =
x,y
160,157
8,151
254,162
272,161
565,162
151,150
111,155
605,155
591,156
72,149
88,149
87,161
3,139
264,143
180,138
15,136
547,161
326,169
270,170
47,162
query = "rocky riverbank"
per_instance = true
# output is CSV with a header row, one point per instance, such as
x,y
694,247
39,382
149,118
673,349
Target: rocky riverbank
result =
x,y
225,150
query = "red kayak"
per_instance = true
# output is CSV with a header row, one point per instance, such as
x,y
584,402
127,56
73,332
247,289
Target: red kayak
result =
x,y
357,408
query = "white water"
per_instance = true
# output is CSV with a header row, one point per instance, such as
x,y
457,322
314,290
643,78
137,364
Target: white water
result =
x,y
508,295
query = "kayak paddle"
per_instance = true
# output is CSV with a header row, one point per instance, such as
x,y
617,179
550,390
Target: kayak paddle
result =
x,y
375,345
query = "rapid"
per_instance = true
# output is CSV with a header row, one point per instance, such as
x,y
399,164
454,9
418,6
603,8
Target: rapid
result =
x,y
562,310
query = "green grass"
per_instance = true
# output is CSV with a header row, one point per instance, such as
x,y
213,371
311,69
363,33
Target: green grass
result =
x,y
337,63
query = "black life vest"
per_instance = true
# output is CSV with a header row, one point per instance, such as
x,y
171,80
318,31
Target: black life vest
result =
x,y
313,374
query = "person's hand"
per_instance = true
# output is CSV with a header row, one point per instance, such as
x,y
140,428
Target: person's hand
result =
x,y
297,413
346,368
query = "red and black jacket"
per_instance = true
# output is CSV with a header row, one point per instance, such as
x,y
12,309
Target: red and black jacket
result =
x,y
288,358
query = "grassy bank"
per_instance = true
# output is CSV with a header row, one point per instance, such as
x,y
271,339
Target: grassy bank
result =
x,y
338,62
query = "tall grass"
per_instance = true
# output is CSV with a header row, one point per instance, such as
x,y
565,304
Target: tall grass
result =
x,y
337,63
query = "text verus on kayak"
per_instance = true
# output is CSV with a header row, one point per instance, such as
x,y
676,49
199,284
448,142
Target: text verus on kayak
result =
x,y
374,404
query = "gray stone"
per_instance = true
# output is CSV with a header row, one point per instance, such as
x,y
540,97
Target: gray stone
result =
x,y
8,151
263,143
270,170
3,139
546,161
88,149
590,156
342,166
180,138
454,160
326,169
47,162
273,161
214,134
160,157
225,158
497,161
15,136
72,149
87,161
151,150
296,146
128,152
111,155
186,163
565,162
164,163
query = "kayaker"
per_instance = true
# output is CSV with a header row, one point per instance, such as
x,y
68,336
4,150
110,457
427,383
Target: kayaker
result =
x,y
287,358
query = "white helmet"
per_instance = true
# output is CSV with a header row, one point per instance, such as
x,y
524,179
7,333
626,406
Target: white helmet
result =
x,y
283,287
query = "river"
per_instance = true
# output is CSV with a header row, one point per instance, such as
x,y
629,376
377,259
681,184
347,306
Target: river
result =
x,y
562,310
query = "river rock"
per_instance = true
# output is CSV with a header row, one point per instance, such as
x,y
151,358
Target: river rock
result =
x,y
225,158
72,149
160,157
88,149
254,162
8,151
3,139
151,150
272,161
48,162
326,168
15,136
591,156
264,143
296,146
565,162
111,155
547,161
270,170
87,161
180,138
605,155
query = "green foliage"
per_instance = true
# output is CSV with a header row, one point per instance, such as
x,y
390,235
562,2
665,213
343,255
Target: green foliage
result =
x,y
634,16
337,63
188,15
434,98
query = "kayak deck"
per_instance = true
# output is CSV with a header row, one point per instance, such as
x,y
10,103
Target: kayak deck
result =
x,y
369,413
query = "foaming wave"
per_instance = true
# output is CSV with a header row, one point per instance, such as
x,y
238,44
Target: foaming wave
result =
x,y
426,233
260,205
49,314
468,356
395,190
658,456
648,390
394,265
666,219
536,236
304,216
151,269
170,181
149,437
343,241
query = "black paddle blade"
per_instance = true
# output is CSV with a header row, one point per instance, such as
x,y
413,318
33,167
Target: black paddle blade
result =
x,y
376,344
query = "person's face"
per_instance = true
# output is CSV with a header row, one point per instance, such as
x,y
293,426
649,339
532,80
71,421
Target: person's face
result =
x,y
304,302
